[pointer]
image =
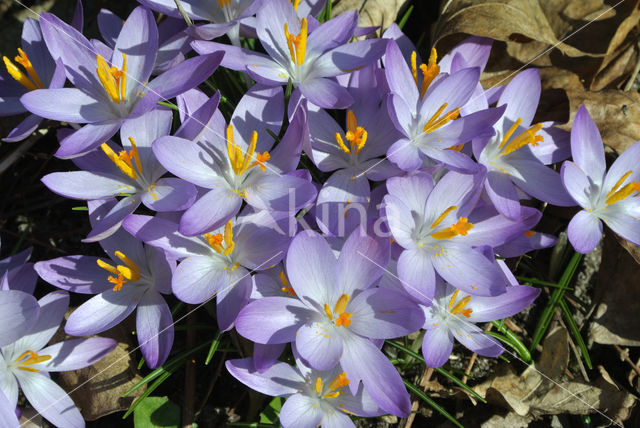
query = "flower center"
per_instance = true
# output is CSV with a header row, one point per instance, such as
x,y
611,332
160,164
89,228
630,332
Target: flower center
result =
x,y
29,358
334,389
617,193
459,308
462,227
341,317
242,163
223,3
30,80
216,241
114,80
429,70
123,160
286,285
122,274
297,43
527,137
438,119
356,135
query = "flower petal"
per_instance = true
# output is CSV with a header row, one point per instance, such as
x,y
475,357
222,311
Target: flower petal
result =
x,y
319,346
272,320
18,312
584,232
436,346
587,148
154,328
76,354
280,379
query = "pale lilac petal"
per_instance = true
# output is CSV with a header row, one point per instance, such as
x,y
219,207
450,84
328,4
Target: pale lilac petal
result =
x,y
110,222
584,231
154,328
454,189
469,270
144,130
514,300
279,192
232,297
78,274
404,154
23,129
109,25
187,160
436,346
8,412
76,354
333,33
170,194
262,239
412,190
300,411
503,194
103,311
383,314
576,183
399,75
325,93
362,261
260,109
472,337
278,380
454,90
52,309
272,320
211,211
18,312
87,138
345,185
555,146
318,345
521,96
587,148
265,356
51,401
401,115
541,182
86,185
627,161
66,105
625,225
312,268
198,278
417,274
347,58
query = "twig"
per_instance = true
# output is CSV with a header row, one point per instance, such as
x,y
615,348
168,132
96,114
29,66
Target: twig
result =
x,y
414,406
182,12
625,356
21,149
634,73
473,358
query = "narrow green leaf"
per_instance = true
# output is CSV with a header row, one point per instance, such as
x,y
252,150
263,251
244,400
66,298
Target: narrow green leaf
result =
x,y
157,412
575,331
271,413
213,348
440,370
273,135
515,342
149,390
405,17
431,403
79,209
539,282
547,314
172,106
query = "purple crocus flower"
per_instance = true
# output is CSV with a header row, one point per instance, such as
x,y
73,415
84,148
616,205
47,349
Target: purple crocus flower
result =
x,y
239,167
516,155
440,232
314,397
131,169
309,58
25,363
33,68
452,314
217,263
610,196
134,277
425,107
110,90
337,312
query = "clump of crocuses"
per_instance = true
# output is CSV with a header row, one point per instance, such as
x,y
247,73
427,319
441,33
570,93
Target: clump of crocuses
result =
x,y
355,193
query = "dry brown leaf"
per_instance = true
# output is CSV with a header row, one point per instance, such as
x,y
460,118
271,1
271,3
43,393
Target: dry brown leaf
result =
x,y
616,316
381,13
106,380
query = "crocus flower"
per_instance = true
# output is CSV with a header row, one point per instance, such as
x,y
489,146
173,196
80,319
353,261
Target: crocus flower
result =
x,y
516,155
425,107
610,196
109,90
25,363
439,233
314,397
336,313
309,58
453,314
33,68
217,263
239,167
132,169
133,277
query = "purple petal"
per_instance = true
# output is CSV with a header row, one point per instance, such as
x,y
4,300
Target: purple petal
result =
x,y
232,298
417,274
576,183
300,411
66,105
78,274
260,109
76,354
319,346
436,346
404,154
198,278
325,93
154,328
170,194
111,222
279,192
109,25
627,161
362,261
412,190
52,309
478,341
584,231
24,129
624,223
503,194
87,138
264,356
348,57
208,213
262,239
272,320
333,33
85,185
189,161
587,148
399,75
286,156
514,300
541,182
18,312
280,379
521,96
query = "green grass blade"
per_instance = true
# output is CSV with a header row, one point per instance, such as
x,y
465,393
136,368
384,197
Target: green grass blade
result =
x,y
405,17
213,348
440,370
149,390
537,281
515,342
431,403
79,208
547,314
575,331
172,106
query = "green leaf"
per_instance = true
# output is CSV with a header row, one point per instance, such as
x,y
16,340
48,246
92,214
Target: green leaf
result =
x,y
440,370
571,323
149,390
156,412
512,340
405,17
547,314
214,347
431,403
538,282
79,209
172,106
271,413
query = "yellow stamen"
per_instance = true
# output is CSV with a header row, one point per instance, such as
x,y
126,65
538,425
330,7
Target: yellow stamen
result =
x,y
459,307
341,143
341,304
344,319
223,3
295,3
429,71
414,66
527,137
443,216
107,267
32,81
32,358
626,191
242,163
297,44
228,238
114,81
215,241
529,233
339,381
327,310
436,121
619,183
319,385
286,285
356,135
462,227
127,273
284,279
135,154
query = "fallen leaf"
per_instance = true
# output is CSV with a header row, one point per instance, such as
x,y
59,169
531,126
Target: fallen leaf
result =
x,y
380,13
615,320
